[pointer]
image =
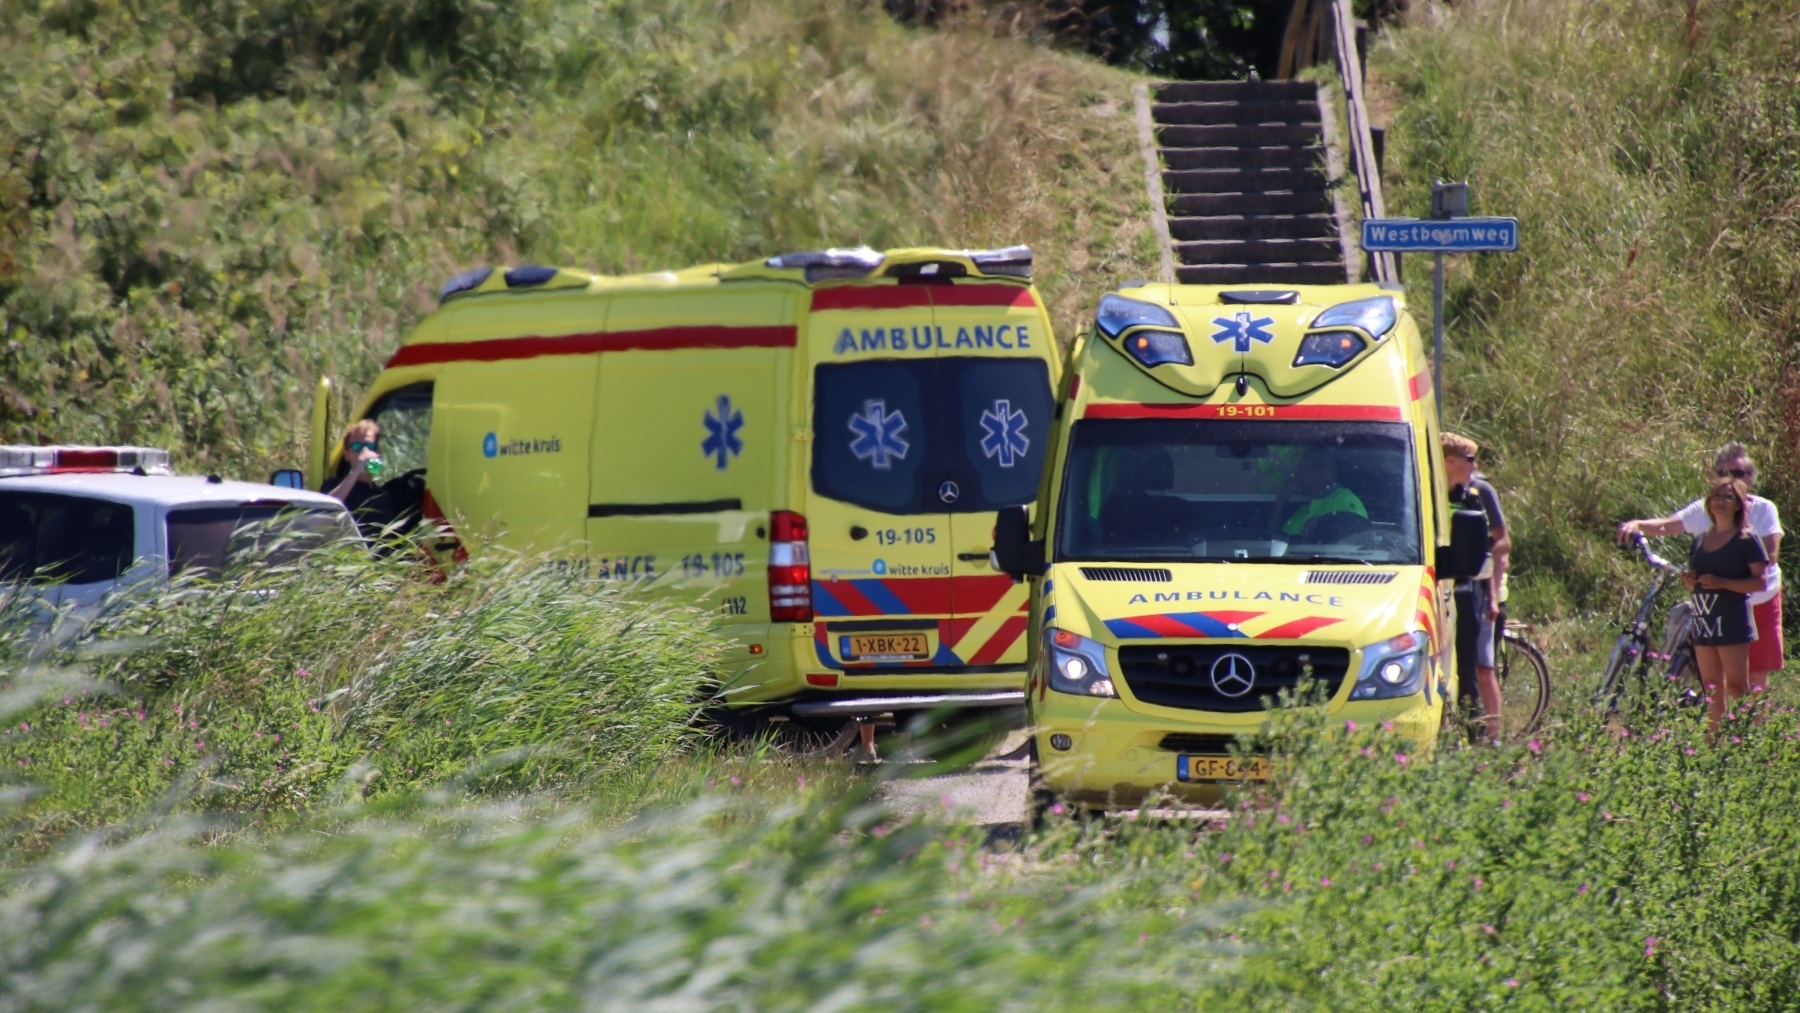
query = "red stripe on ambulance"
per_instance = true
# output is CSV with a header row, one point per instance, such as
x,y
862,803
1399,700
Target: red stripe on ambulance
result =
x,y
1330,412
895,297
653,339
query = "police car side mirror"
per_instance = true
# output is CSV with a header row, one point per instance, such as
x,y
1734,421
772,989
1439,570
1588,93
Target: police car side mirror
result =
x,y
288,478
1467,552
1014,550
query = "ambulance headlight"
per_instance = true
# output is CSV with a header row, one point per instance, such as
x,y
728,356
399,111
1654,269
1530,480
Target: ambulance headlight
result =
x,y
1374,317
1076,664
1332,348
1392,668
1117,313
1157,348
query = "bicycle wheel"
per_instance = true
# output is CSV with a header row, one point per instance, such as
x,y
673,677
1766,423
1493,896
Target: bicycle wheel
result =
x,y
1625,654
1524,676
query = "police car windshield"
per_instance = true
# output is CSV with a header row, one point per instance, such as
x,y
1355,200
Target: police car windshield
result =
x,y
1169,490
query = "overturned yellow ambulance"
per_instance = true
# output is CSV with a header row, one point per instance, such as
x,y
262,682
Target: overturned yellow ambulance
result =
x,y
1245,499
814,445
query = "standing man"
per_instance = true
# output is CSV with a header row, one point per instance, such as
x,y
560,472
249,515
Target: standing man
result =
x,y
1733,461
1478,599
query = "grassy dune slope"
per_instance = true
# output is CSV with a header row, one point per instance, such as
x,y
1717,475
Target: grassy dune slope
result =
x,y
202,203
1653,310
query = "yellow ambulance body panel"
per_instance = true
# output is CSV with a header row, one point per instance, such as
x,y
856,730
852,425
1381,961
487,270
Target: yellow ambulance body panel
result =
x,y
815,445
1245,499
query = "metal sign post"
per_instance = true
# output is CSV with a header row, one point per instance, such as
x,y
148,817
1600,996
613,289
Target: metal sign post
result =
x,y
1448,230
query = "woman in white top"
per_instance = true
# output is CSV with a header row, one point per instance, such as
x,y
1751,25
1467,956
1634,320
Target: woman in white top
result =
x,y
1733,461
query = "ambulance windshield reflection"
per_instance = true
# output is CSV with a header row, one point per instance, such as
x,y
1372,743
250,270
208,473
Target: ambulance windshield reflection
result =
x,y
1168,490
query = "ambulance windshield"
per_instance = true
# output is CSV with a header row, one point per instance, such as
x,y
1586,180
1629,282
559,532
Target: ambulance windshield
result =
x,y
1197,491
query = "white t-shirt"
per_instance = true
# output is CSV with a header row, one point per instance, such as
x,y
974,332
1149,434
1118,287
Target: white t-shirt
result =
x,y
1765,520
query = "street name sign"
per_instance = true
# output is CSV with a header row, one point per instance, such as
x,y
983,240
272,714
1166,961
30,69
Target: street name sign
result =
x,y
1454,235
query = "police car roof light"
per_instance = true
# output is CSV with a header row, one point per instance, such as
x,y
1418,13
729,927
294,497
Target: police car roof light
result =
x,y
467,280
18,461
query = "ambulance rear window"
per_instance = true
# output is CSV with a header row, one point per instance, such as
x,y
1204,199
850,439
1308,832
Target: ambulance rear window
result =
x,y
960,434
45,537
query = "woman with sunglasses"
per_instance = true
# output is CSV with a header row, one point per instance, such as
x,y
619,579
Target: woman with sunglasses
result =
x,y
356,486
1725,567
1733,461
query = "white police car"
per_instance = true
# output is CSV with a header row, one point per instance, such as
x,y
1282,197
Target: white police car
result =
x,y
78,522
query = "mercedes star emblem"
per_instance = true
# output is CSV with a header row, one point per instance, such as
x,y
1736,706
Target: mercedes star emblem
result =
x,y
948,492
1233,675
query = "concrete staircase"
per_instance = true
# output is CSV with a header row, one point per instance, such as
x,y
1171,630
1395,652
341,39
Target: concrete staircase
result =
x,y
1247,177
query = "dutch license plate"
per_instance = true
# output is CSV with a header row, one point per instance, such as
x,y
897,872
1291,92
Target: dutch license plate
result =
x,y
1221,768
886,647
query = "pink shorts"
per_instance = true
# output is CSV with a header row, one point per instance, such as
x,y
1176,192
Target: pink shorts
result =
x,y
1765,650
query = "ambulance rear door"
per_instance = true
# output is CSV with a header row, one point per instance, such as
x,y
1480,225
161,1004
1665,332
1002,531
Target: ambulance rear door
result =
x,y
690,441
995,382
879,499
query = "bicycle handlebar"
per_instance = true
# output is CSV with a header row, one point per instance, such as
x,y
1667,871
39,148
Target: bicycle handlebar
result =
x,y
1643,545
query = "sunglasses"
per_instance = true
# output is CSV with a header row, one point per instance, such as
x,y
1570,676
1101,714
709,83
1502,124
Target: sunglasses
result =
x,y
1722,498
1733,472
363,445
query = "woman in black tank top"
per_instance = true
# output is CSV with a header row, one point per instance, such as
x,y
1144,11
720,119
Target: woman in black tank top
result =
x,y
1725,568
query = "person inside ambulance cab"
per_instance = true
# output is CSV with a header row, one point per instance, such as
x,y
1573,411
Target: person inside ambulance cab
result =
x,y
1316,483
380,508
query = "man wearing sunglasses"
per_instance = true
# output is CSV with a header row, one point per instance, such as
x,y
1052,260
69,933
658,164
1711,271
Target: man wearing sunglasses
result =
x,y
1479,601
357,488
1733,461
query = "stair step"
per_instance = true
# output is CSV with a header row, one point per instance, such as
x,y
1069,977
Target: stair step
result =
x,y
1281,202
1321,273
1311,226
1232,135
1251,180
1213,91
1256,251
1294,156
1235,112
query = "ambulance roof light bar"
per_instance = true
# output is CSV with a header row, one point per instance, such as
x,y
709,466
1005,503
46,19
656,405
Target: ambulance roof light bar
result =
x,y
824,265
63,460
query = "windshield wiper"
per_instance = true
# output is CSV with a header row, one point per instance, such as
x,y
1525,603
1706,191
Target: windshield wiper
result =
x,y
1328,560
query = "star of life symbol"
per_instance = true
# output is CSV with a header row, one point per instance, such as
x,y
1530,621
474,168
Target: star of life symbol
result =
x,y
1242,330
878,438
1232,675
1005,440
722,425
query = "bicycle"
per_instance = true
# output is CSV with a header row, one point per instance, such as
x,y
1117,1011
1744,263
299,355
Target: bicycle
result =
x,y
1524,700
1632,649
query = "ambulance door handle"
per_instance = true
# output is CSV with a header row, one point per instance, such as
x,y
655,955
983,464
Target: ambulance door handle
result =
x,y
970,557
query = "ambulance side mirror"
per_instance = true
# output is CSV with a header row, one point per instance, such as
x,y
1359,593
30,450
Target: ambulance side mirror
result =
x,y
1467,552
288,478
1014,551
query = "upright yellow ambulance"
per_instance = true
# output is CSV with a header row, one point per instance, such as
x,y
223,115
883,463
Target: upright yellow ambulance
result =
x,y
1245,498
815,445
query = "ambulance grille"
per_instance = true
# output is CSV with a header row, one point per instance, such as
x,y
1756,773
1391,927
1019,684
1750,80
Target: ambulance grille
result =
x,y
1208,745
1128,574
1181,675
1348,577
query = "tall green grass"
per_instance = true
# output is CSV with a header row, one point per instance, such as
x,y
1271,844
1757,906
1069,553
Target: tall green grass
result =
x,y
285,688
1651,151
